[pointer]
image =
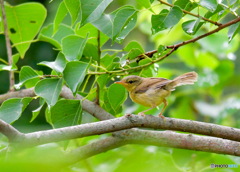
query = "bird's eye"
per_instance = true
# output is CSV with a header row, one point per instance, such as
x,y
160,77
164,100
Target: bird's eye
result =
x,y
131,81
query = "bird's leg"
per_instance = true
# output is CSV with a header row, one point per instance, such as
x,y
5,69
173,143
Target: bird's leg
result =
x,y
165,104
142,113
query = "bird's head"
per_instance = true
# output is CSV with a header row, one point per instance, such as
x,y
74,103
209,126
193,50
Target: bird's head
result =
x,y
130,82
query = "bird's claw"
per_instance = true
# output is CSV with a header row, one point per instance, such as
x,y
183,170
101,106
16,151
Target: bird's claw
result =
x,y
127,115
160,115
141,114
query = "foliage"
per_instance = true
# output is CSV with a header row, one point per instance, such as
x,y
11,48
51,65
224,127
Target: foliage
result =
x,y
84,56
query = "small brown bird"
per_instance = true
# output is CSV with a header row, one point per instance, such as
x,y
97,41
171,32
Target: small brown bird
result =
x,y
151,92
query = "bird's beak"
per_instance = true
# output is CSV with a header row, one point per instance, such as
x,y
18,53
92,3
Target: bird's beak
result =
x,y
120,82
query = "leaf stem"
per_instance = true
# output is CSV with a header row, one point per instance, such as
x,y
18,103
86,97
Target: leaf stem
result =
x,y
4,61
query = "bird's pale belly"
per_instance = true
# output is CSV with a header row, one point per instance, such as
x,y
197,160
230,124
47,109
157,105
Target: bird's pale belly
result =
x,y
151,98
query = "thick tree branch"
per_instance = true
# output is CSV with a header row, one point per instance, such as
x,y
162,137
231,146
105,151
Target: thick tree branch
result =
x,y
8,44
20,94
122,123
145,137
116,124
127,122
157,138
9,131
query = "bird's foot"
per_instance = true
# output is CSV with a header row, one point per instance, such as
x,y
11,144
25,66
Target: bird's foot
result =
x,y
160,115
127,115
141,114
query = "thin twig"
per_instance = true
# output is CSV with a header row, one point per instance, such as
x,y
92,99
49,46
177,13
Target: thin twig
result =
x,y
99,64
173,47
195,15
9,49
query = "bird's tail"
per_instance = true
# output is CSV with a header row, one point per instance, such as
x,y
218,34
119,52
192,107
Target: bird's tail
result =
x,y
185,79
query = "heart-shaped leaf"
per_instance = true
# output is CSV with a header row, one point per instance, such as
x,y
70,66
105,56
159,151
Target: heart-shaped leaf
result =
x,y
49,89
117,94
19,19
74,74
72,47
66,113
12,109
56,40
58,65
117,24
92,10
166,19
26,74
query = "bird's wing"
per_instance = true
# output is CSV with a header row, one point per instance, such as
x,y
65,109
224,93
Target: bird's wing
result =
x,y
149,82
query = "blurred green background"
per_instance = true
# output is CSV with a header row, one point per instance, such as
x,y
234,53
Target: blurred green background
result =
x,y
214,98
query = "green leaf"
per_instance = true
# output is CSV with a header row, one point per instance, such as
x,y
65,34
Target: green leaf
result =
x,y
146,72
58,65
133,44
74,74
19,19
37,111
5,67
233,30
121,19
14,67
186,4
15,59
91,51
166,19
161,49
12,109
210,14
210,5
56,40
183,110
146,4
72,47
48,116
61,13
107,106
212,61
26,74
191,26
66,113
107,60
93,34
186,54
101,80
134,53
116,94
129,26
49,89
73,7
113,24
92,10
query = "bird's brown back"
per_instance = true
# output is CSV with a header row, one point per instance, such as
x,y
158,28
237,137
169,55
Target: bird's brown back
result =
x,y
148,82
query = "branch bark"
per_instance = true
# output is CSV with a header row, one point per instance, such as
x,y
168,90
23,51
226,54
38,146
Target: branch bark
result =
x,y
122,123
145,137
9,131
